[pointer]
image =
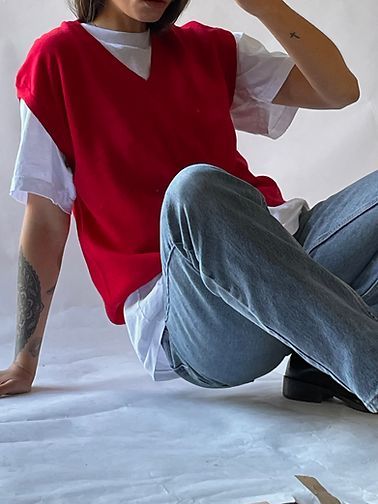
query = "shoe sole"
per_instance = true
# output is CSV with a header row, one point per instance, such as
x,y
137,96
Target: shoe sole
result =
x,y
302,391
307,392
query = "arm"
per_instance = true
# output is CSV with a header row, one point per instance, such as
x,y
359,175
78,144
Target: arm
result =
x,y
320,78
43,237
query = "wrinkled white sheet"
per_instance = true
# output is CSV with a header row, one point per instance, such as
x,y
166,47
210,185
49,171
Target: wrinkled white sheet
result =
x,y
97,430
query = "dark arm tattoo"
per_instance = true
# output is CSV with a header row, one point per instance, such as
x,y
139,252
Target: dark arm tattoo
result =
x,y
293,34
29,304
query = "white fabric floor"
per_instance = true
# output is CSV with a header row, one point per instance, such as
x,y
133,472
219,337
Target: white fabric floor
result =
x,y
96,429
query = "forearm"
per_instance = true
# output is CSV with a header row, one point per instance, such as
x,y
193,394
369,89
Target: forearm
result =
x,y
39,264
313,52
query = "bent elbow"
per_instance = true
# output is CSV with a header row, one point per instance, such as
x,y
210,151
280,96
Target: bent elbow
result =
x,y
351,96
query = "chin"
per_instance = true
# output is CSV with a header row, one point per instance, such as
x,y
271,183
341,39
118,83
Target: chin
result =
x,y
151,11
148,19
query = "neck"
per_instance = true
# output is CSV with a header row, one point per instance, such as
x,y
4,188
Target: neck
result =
x,y
112,19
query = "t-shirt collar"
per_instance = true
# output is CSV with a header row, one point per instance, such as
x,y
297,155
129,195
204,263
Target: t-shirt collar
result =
x,y
140,39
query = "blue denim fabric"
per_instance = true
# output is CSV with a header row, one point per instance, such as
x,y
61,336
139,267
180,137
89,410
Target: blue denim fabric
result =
x,y
241,292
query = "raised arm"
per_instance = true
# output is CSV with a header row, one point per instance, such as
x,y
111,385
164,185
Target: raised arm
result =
x,y
43,237
320,78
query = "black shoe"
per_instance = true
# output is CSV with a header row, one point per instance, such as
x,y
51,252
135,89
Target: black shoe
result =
x,y
303,382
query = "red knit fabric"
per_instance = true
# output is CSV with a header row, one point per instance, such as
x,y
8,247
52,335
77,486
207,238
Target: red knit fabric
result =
x,y
125,138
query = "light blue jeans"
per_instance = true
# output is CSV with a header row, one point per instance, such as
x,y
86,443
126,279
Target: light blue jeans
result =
x,y
241,292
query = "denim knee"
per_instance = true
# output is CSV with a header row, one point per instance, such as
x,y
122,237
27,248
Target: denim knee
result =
x,y
198,182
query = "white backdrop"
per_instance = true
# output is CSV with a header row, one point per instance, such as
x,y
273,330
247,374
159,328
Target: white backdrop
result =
x,y
96,429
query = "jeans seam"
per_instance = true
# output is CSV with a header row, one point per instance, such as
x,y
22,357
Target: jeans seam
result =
x,y
367,294
169,257
323,237
167,282
362,303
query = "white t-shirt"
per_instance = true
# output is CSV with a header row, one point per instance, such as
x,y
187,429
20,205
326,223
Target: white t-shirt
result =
x,y
40,167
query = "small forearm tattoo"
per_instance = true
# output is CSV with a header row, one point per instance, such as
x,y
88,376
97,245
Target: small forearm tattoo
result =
x,y
29,303
293,34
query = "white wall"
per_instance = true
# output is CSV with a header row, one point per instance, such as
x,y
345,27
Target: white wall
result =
x,y
322,152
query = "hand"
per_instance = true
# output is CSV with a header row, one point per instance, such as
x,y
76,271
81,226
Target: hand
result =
x,y
15,380
258,7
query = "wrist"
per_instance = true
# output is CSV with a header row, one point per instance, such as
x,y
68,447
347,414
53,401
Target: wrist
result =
x,y
25,366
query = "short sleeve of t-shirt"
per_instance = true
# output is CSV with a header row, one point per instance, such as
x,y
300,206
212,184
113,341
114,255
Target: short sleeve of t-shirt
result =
x,y
40,167
260,75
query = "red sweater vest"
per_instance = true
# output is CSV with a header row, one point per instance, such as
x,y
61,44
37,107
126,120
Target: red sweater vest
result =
x,y
125,138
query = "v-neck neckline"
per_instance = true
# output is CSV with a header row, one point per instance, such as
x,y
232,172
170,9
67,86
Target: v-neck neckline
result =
x,y
154,44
